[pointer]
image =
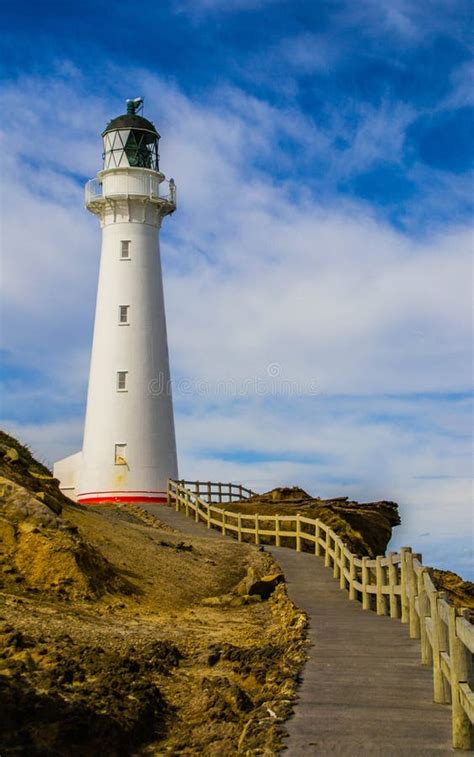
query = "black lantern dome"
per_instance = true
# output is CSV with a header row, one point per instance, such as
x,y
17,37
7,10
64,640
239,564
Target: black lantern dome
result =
x,y
131,140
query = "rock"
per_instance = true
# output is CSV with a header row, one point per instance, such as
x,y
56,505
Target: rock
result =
x,y
460,592
265,587
182,547
212,601
244,585
50,502
11,454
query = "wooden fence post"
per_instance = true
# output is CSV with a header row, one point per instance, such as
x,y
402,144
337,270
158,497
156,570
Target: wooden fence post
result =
x,y
277,531
239,527
365,583
461,672
223,522
403,585
186,503
327,544
198,489
317,536
196,512
425,612
257,535
219,491
352,578
412,591
335,567
298,532
392,582
208,512
209,495
342,566
380,604
441,688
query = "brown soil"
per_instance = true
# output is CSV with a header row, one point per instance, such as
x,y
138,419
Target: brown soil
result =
x,y
120,636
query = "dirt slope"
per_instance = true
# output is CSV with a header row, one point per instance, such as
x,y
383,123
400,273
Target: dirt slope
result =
x,y
119,636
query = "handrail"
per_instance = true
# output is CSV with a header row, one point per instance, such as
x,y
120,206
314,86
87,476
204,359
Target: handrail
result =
x,y
398,585
147,186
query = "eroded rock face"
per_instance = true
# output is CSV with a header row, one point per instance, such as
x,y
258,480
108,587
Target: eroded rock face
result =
x,y
44,553
460,592
18,465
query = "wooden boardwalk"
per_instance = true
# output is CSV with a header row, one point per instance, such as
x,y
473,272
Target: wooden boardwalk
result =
x,y
363,690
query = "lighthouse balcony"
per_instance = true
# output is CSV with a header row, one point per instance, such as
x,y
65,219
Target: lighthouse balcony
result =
x,y
130,184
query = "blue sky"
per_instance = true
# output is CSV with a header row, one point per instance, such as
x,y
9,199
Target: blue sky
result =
x,y
317,272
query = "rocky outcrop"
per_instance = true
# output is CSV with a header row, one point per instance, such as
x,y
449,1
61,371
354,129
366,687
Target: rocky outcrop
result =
x,y
460,592
365,527
18,465
39,550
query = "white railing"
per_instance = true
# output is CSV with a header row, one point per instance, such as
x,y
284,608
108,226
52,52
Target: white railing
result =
x,y
129,186
398,585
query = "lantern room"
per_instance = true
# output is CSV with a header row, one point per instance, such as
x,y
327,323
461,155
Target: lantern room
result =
x,y
131,140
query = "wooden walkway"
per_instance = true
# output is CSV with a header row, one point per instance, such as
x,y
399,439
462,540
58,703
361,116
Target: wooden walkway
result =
x,y
363,689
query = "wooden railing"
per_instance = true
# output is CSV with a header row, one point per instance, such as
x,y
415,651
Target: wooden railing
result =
x,y
211,491
398,585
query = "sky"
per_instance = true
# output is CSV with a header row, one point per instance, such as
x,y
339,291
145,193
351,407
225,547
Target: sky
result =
x,y
317,272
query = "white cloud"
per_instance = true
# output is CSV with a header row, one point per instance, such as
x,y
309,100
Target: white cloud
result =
x,y
257,272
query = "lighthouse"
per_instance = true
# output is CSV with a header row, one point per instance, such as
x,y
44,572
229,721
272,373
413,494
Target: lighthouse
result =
x,y
129,447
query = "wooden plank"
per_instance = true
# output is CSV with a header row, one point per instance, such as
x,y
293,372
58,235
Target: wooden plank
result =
x,y
465,632
264,532
443,610
467,700
230,514
347,553
307,537
429,630
446,666
429,585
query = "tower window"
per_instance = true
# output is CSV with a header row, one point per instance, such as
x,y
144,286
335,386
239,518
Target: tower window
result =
x,y
123,314
125,249
122,381
120,456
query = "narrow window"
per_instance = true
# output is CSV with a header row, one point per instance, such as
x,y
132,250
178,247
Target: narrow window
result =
x,y
125,249
122,381
123,314
120,454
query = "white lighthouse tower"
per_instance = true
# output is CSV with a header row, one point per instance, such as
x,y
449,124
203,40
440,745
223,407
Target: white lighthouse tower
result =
x,y
129,448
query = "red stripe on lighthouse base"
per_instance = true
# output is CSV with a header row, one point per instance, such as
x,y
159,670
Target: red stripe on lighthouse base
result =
x,y
103,498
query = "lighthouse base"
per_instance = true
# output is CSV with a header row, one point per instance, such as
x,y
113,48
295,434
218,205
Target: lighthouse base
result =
x,y
102,498
67,472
